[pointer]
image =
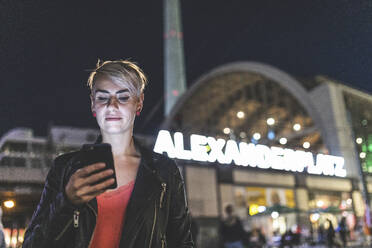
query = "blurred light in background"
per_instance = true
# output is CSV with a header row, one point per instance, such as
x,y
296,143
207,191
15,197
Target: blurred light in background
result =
x,y
256,136
9,204
270,121
274,215
253,209
261,209
362,155
306,145
283,141
314,217
297,127
271,135
243,135
240,114
359,140
226,130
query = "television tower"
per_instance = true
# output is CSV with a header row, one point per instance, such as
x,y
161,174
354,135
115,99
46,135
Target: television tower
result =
x,y
174,65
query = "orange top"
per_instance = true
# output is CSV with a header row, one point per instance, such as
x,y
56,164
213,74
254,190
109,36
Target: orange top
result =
x,y
111,215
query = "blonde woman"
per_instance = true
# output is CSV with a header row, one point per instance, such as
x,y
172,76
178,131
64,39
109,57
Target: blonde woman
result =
x,y
147,209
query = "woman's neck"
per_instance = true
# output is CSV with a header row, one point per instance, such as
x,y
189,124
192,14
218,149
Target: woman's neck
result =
x,y
121,144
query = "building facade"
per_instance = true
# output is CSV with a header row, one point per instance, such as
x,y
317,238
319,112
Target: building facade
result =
x,y
259,105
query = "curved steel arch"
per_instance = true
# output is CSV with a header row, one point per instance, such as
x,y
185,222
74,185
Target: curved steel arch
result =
x,y
270,72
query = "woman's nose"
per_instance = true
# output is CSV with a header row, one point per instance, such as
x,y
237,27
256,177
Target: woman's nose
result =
x,y
113,102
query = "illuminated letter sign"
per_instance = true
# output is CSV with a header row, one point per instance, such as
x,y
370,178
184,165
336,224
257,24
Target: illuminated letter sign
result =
x,y
208,149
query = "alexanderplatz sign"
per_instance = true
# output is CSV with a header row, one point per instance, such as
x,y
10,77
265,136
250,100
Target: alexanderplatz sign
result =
x,y
209,149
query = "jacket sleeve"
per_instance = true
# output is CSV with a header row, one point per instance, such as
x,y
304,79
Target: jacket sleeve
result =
x,y
179,222
53,215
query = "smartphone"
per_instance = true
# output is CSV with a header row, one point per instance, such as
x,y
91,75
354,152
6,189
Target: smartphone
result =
x,y
97,153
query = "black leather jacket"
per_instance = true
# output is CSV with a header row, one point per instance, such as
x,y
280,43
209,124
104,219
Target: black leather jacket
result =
x,y
156,215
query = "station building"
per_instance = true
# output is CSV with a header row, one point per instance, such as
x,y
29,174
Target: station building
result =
x,y
274,114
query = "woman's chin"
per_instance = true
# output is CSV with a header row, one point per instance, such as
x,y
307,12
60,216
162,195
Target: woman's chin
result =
x,y
114,129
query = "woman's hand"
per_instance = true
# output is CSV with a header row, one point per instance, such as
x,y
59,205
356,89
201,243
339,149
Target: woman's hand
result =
x,y
82,185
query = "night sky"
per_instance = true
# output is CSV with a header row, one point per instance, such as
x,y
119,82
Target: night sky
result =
x,y
48,47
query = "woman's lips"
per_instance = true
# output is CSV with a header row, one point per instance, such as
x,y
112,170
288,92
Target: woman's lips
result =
x,y
113,118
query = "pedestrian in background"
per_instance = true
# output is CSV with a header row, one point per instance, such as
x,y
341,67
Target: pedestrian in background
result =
x,y
232,232
342,229
256,239
330,233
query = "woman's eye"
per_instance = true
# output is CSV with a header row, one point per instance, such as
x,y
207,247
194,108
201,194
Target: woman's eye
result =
x,y
123,98
100,98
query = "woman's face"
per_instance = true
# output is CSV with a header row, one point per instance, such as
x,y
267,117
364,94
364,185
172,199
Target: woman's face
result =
x,y
114,106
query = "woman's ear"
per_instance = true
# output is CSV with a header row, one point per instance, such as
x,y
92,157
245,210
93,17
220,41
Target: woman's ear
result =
x,y
140,102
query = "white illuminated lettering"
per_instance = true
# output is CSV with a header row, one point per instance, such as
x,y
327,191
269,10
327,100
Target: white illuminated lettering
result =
x,y
261,156
247,153
290,160
304,159
181,153
198,147
232,153
216,150
315,168
325,164
262,153
339,166
164,143
277,158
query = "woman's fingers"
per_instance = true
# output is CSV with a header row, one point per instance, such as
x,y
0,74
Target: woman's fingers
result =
x,y
87,170
97,177
82,186
96,188
86,198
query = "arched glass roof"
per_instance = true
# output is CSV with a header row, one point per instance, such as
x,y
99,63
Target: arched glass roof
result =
x,y
247,106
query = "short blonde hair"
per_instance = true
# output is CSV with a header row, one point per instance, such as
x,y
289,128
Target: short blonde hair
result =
x,y
121,72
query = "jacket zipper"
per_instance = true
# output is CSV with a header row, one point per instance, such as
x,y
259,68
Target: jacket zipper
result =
x,y
163,190
163,241
76,218
77,214
153,226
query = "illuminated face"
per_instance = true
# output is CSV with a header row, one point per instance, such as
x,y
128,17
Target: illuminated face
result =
x,y
114,106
